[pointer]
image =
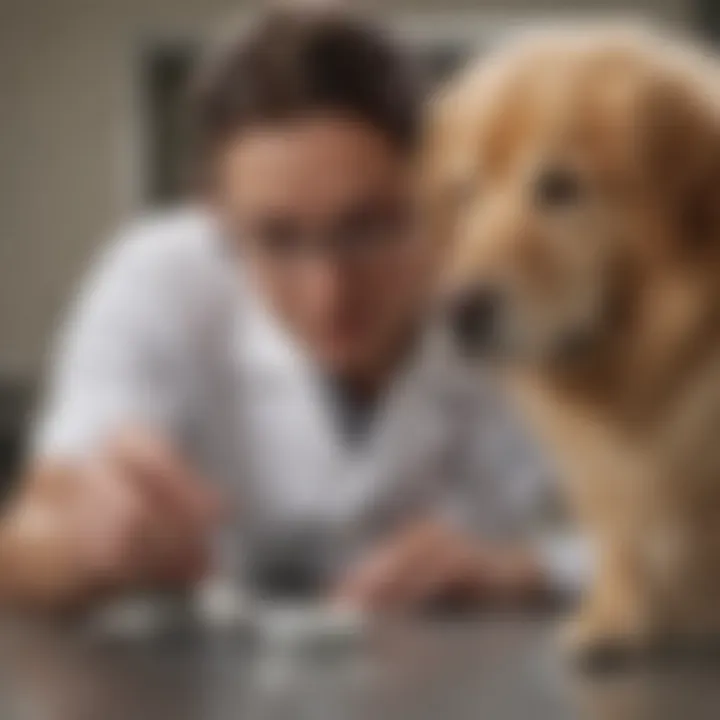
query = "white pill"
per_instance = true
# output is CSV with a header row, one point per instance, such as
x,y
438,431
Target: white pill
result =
x,y
310,624
221,603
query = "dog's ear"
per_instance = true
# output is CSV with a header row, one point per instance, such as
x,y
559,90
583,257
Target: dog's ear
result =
x,y
679,141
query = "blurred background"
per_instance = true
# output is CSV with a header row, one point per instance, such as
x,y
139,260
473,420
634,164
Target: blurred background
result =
x,y
91,131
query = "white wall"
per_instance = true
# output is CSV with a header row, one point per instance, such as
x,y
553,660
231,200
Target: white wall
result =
x,y
69,142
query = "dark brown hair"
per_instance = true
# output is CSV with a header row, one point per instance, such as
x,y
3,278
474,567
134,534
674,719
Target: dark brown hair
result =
x,y
296,61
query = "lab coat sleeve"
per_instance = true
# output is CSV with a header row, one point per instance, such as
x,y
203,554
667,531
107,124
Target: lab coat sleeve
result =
x,y
510,491
119,359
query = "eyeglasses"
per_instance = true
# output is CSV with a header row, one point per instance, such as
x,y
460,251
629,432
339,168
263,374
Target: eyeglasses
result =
x,y
359,235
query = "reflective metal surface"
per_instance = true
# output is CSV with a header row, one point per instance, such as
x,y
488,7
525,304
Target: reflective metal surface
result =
x,y
495,669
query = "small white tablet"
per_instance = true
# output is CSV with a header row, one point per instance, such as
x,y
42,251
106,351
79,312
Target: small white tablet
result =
x,y
132,618
310,625
220,603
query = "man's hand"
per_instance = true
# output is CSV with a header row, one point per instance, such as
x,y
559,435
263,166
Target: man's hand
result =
x,y
429,562
134,516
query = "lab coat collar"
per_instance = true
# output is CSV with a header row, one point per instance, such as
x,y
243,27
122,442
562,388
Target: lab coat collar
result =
x,y
413,427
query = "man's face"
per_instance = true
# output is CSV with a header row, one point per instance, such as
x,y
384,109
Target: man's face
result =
x,y
320,210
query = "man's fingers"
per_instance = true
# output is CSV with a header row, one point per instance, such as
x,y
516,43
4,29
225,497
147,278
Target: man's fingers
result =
x,y
450,567
181,564
114,518
163,474
382,582
423,564
367,584
97,529
128,540
176,545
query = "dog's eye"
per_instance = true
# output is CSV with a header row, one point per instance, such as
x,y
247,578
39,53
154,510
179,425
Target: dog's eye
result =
x,y
557,188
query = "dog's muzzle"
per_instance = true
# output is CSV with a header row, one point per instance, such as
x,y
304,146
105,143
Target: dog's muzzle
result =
x,y
474,317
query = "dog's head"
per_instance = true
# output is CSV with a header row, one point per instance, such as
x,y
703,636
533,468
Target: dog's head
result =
x,y
565,175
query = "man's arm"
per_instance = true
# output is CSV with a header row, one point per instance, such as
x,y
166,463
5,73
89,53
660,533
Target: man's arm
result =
x,y
430,561
133,516
484,544
101,507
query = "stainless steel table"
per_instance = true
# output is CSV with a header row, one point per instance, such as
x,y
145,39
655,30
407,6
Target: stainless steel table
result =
x,y
492,668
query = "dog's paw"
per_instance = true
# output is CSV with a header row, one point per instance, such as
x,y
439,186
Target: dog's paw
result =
x,y
595,646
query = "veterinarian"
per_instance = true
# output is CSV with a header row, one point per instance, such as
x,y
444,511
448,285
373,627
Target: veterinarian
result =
x,y
258,365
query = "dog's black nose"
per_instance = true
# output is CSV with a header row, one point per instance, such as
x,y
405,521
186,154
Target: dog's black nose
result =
x,y
474,317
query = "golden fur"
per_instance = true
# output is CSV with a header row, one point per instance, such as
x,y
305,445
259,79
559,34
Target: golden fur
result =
x,y
629,266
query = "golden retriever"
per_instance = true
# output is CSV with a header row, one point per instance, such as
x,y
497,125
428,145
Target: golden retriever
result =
x,y
573,181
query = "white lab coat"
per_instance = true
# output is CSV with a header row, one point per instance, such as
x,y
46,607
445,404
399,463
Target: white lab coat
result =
x,y
167,334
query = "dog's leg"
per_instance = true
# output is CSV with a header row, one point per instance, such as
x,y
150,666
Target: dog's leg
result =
x,y
616,622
